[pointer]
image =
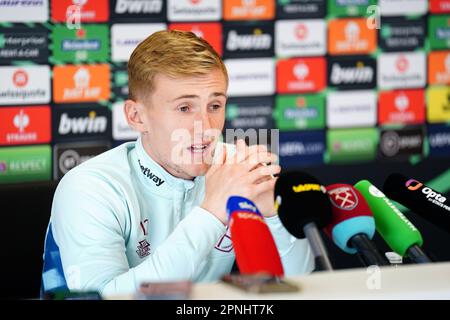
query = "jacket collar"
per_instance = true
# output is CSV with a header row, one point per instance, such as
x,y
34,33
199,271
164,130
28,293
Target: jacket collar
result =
x,y
155,177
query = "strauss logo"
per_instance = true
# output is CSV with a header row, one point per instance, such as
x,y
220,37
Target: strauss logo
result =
x,y
21,121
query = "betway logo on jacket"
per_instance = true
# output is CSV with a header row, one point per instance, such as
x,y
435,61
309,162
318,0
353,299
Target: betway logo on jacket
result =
x,y
352,73
194,10
150,175
138,9
248,40
300,38
401,70
79,123
25,125
24,85
23,10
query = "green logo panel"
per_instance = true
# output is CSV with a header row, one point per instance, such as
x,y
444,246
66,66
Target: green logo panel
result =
x,y
350,8
88,44
352,145
439,32
300,112
25,164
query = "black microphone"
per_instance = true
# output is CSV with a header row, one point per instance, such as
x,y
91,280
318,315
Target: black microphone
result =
x,y
416,196
303,206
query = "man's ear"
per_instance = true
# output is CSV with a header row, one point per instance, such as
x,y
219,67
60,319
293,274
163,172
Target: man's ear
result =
x,y
134,113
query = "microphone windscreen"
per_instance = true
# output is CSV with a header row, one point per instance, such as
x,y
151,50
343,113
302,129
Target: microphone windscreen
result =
x,y
351,216
398,232
253,243
416,196
301,199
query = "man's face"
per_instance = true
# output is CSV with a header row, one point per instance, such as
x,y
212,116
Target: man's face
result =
x,y
183,118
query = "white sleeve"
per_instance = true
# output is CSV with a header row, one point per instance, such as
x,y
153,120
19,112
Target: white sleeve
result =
x,y
89,217
296,255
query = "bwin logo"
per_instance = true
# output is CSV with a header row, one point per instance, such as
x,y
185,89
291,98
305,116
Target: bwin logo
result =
x,y
349,75
90,124
138,6
255,41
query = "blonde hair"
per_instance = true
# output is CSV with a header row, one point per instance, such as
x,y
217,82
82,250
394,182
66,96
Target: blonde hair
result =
x,y
172,53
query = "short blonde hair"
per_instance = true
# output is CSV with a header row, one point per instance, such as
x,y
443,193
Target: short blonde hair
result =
x,y
172,53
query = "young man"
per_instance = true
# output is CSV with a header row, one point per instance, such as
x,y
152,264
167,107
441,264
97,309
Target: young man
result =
x,y
155,209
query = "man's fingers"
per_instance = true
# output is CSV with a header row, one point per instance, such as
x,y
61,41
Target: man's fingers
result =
x,y
262,171
258,159
265,186
241,151
219,158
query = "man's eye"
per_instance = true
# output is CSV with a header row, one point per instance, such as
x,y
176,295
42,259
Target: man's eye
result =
x,y
216,106
184,108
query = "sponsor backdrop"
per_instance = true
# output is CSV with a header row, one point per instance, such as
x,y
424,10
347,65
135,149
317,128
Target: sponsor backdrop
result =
x,y
345,81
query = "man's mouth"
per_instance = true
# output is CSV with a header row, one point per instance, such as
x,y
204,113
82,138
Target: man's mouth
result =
x,y
199,148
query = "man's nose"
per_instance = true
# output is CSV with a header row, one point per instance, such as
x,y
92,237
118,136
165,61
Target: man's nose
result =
x,y
204,120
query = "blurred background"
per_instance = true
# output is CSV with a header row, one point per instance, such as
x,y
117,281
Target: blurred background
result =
x,y
357,88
